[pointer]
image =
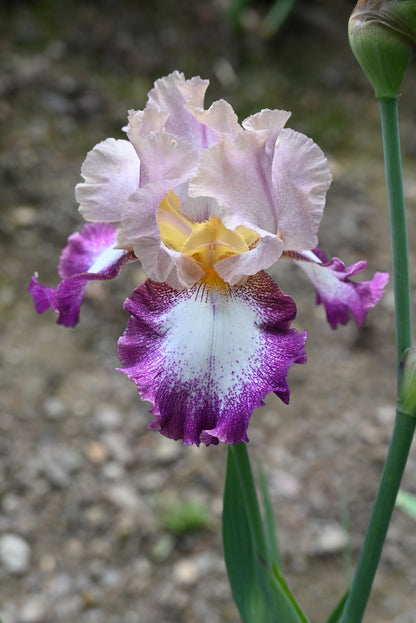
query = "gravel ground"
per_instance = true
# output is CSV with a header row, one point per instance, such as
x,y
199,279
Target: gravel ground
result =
x,y
101,520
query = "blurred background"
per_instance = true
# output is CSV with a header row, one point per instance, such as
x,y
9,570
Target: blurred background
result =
x,y
102,521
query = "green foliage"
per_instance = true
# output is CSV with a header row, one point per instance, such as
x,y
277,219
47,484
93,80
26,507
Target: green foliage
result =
x,y
277,15
257,586
407,503
271,534
273,20
183,517
338,610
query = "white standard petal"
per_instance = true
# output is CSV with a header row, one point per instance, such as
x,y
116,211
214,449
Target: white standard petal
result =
x,y
277,185
171,95
300,180
111,172
220,117
164,156
143,122
238,174
267,119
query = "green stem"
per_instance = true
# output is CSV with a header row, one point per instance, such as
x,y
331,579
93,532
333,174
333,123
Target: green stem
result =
x,y
397,212
380,519
404,425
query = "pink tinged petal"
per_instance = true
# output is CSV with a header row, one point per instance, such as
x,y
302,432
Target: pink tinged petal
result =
x,y
164,156
89,255
278,185
237,174
111,172
172,94
220,118
301,178
337,292
264,254
143,122
270,120
199,209
141,228
206,358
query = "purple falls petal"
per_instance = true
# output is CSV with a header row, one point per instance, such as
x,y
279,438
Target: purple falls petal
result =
x,y
89,255
334,289
207,357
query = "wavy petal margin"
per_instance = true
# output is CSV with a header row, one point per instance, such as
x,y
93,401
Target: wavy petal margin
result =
x,y
334,289
111,173
89,255
207,357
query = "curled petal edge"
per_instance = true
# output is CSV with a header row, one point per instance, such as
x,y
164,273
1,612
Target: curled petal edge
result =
x,y
336,291
206,357
89,255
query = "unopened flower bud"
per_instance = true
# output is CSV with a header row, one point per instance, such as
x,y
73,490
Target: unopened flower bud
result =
x,y
407,393
382,36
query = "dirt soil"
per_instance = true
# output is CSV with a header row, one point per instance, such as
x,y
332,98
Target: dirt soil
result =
x,y
88,496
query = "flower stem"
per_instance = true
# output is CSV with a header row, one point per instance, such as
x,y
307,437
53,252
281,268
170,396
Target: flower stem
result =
x,y
397,212
380,519
404,425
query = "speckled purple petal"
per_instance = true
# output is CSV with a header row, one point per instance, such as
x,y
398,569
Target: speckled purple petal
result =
x,y
206,358
89,255
337,292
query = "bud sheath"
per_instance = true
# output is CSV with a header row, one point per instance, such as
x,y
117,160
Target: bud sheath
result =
x,y
382,35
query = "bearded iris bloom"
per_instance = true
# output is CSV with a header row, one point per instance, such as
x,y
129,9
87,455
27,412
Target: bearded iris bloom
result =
x,y
206,205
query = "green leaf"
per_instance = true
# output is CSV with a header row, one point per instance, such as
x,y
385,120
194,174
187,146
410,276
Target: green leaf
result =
x,y
407,503
277,15
271,534
235,11
338,610
258,596
286,590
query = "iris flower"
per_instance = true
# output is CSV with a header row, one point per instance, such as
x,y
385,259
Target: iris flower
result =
x,y
206,205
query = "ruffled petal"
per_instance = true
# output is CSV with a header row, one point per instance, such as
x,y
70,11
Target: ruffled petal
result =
x,y
141,228
278,185
337,292
174,94
271,120
143,122
220,118
237,173
263,255
111,172
206,357
300,180
164,156
89,255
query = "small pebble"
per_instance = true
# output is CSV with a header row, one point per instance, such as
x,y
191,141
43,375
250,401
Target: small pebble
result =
x,y
15,554
53,408
167,451
329,539
186,572
107,418
33,611
96,452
